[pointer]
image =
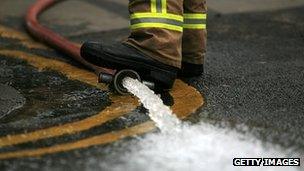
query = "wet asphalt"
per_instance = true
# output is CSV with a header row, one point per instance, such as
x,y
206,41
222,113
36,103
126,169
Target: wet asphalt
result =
x,y
254,76
254,73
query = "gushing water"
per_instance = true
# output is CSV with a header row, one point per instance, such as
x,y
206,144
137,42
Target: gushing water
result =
x,y
161,114
180,146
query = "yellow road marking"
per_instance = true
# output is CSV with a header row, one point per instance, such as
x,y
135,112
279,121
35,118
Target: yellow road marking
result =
x,y
187,100
68,70
24,39
118,108
95,140
121,104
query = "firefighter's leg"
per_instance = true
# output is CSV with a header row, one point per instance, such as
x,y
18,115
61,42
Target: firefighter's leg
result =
x,y
194,38
153,48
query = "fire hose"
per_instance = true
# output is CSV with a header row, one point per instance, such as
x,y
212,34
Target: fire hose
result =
x,y
42,33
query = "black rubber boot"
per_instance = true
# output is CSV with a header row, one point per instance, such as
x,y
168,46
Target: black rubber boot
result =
x,y
191,70
122,56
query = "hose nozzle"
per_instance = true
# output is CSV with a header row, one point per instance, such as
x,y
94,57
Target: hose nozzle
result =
x,y
117,80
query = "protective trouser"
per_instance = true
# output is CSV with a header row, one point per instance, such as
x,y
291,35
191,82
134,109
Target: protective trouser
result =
x,y
169,31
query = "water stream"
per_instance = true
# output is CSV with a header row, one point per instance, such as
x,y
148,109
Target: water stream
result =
x,y
181,146
161,114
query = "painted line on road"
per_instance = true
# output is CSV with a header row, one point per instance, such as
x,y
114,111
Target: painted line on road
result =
x,y
187,100
88,142
120,106
24,39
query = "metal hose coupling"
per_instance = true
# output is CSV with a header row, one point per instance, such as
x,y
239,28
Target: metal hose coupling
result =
x,y
116,81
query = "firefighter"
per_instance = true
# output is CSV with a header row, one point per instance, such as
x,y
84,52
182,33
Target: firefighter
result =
x,y
168,37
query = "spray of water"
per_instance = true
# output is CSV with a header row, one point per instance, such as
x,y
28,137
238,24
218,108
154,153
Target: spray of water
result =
x,y
181,146
161,114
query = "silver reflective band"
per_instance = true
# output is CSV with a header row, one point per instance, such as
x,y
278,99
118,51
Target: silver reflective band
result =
x,y
156,20
194,21
159,6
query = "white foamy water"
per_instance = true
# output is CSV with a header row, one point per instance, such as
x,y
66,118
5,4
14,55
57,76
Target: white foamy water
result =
x,y
187,147
161,114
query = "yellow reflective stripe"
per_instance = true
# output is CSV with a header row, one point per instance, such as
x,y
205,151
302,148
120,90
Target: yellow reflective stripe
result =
x,y
194,26
157,25
153,6
164,6
195,16
157,20
157,15
194,21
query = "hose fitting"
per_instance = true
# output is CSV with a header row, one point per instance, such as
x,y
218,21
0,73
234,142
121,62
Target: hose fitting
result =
x,y
116,81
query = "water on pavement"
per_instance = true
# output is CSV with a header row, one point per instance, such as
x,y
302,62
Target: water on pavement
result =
x,y
181,146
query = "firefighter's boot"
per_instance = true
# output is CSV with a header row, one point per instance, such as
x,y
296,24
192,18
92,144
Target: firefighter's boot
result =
x,y
194,38
122,56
